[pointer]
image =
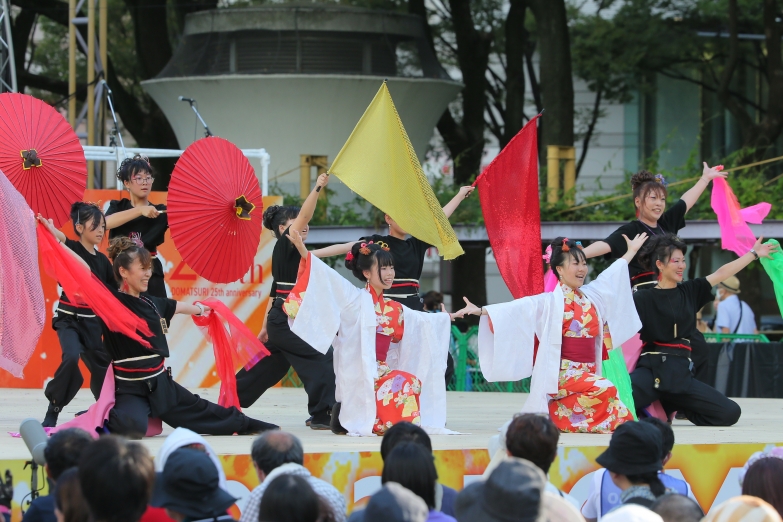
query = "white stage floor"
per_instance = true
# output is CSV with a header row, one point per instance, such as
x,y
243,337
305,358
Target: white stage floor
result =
x,y
478,415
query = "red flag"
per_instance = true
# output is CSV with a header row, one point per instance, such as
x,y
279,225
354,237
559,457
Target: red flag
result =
x,y
508,189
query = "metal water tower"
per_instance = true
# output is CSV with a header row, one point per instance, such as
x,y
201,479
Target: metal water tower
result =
x,y
295,79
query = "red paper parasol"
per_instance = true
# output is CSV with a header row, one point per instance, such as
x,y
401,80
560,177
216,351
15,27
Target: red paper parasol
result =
x,y
41,156
215,210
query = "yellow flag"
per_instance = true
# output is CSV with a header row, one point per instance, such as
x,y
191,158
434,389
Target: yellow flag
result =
x,y
378,163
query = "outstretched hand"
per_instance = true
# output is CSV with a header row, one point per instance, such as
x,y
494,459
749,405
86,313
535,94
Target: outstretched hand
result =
x,y
48,223
469,309
296,238
466,191
636,243
765,249
710,173
323,179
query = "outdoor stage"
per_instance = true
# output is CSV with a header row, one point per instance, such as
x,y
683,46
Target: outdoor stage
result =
x,y
708,458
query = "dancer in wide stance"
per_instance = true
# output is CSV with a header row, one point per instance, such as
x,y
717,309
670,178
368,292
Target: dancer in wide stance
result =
x,y
77,327
570,324
315,369
137,218
668,315
144,386
389,359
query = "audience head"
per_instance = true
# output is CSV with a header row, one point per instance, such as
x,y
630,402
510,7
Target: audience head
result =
x,y
631,513
634,456
413,467
667,437
555,508
64,450
184,438
739,509
513,492
677,508
404,432
272,449
533,437
290,498
189,487
394,503
116,477
69,503
764,479
432,300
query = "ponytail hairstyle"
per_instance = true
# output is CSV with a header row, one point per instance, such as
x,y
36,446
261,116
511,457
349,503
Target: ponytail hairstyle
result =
x,y
562,250
135,165
652,479
364,255
82,212
659,248
123,251
277,215
644,182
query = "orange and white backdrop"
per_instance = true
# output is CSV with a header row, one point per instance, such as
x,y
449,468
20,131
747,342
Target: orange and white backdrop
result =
x,y
191,358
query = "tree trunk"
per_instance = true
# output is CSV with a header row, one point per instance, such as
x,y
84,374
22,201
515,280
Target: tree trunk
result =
x,y
555,76
516,43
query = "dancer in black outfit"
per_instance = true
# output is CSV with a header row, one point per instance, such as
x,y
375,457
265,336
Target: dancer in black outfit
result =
x,y
137,218
144,386
649,193
316,370
668,315
77,327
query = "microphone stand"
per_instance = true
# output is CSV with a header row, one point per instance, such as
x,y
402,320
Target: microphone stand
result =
x,y
194,106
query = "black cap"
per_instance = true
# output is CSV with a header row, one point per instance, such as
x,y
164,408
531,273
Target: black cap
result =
x,y
513,492
394,503
635,449
189,484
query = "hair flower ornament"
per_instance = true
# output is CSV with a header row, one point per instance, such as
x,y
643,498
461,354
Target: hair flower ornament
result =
x,y
565,247
383,246
547,254
349,256
660,179
365,249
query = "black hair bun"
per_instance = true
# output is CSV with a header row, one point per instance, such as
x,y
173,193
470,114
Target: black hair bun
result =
x,y
643,176
269,216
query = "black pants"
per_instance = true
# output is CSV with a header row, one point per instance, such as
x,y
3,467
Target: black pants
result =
x,y
679,391
80,338
700,355
163,398
316,370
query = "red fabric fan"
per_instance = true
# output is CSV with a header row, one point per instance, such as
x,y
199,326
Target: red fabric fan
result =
x,y
41,156
215,210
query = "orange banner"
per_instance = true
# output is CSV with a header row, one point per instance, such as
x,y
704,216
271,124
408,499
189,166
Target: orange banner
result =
x,y
191,358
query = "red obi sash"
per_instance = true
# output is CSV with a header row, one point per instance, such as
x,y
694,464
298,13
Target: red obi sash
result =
x,y
578,349
382,343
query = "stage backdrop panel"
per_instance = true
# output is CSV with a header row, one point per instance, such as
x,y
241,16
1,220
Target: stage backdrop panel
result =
x,y
192,360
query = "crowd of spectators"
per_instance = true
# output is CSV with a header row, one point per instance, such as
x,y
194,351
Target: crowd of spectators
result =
x,y
112,479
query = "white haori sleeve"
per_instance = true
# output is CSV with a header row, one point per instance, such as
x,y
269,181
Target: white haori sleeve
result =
x,y
611,294
507,353
423,352
336,313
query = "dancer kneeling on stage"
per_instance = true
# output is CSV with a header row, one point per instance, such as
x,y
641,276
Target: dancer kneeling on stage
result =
x,y
668,315
144,387
77,327
571,326
389,360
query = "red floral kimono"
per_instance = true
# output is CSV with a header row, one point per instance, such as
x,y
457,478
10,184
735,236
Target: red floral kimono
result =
x,y
396,392
585,402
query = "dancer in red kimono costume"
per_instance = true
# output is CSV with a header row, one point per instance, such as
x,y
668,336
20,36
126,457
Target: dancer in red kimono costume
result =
x,y
400,371
570,324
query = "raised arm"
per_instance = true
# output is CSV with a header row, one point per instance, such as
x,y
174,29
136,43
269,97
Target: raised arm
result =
x,y
597,248
707,175
333,250
452,205
308,207
120,218
729,269
49,224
